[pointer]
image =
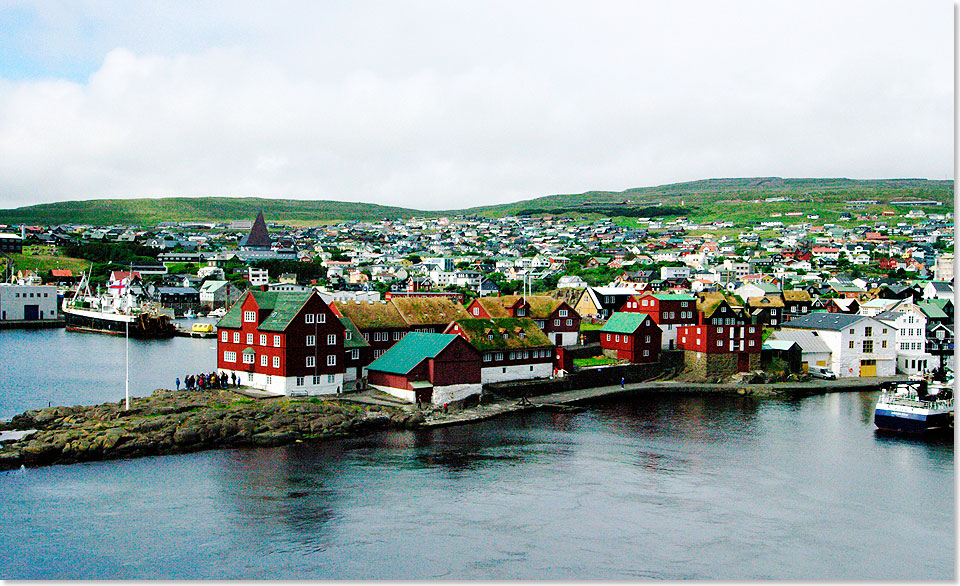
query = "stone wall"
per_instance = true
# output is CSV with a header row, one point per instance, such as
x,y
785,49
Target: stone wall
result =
x,y
711,367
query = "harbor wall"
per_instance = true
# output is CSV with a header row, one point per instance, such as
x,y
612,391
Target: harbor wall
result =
x,y
598,376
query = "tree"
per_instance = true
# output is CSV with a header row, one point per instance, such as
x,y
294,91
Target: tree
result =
x,y
414,258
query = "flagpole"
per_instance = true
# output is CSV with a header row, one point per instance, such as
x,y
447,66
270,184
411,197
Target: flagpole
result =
x,y
127,344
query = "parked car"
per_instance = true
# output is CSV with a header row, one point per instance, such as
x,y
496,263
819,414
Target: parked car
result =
x,y
821,372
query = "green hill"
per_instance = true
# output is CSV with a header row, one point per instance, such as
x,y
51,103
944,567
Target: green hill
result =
x,y
741,200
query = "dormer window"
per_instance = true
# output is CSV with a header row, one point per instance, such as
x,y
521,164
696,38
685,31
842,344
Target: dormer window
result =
x,y
250,316
521,312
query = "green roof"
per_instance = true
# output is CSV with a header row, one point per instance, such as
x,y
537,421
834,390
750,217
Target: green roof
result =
x,y
356,339
410,351
674,297
503,333
932,310
622,322
280,308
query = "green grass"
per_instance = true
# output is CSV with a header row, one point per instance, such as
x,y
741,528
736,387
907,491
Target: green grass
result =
x,y
595,361
587,326
41,259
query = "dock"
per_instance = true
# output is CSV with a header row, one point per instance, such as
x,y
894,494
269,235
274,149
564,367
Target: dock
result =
x,y
185,333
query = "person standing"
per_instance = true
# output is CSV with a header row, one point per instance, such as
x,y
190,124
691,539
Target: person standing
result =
x,y
178,384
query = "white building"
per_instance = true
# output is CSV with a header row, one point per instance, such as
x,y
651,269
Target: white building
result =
x,y
859,345
215,294
910,325
814,351
27,302
257,277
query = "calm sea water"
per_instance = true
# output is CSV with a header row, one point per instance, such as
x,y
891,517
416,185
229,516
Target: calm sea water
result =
x,y
57,367
670,487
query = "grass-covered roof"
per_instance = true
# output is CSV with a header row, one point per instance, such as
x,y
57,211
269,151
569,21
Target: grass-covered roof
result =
x,y
504,333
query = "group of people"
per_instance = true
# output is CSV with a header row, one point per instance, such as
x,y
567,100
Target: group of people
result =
x,y
210,380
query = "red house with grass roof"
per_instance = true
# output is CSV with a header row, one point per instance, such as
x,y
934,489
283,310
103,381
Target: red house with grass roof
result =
x,y
670,311
429,368
634,337
284,343
511,348
558,320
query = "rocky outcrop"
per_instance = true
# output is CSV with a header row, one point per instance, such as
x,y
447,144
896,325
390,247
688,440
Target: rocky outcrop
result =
x,y
169,422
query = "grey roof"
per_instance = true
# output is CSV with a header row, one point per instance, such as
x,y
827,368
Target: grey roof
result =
x,y
824,321
808,341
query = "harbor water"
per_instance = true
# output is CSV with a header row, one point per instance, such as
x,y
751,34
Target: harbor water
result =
x,y
665,487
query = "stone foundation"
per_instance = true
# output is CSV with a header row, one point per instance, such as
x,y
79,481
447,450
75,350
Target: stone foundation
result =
x,y
710,367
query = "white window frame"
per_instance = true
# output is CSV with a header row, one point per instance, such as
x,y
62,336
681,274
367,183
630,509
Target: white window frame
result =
x,y
229,356
321,318
263,339
331,359
308,318
252,358
276,362
276,341
311,340
224,336
250,316
249,338
236,337
263,360
562,313
311,361
331,339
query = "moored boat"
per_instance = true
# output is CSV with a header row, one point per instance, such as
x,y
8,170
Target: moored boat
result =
x,y
914,406
106,314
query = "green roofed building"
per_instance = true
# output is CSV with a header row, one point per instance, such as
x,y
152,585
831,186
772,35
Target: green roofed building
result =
x,y
428,368
633,337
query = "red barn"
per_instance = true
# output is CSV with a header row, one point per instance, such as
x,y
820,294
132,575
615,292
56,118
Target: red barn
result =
x,y
631,336
668,310
283,343
426,367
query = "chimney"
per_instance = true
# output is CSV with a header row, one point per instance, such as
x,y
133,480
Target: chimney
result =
x,y
264,287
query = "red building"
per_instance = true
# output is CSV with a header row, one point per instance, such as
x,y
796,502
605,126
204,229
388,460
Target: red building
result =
x,y
668,310
380,324
559,321
631,336
429,368
724,340
511,348
284,343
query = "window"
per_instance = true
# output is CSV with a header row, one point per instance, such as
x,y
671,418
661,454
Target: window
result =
x,y
883,344
315,379
646,353
569,322
397,335
884,330
719,330
562,313
223,336
263,339
236,337
521,312
249,377
719,342
608,337
269,379
868,346
249,338
556,322
321,318
498,356
851,331
646,339
751,342
868,331
250,316
366,336
276,362
248,357
308,318
476,311
331,360
311,361
229,356
851,344
487,357
752,330
331,339
276,341
299,381
617,338
263,360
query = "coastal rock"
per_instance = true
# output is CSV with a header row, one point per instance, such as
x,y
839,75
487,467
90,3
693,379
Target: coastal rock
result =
x,y
186,436
274,438
38,453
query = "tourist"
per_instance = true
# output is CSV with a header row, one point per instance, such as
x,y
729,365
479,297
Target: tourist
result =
x,y
178,385
622,380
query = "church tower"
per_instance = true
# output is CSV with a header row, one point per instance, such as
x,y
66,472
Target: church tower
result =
x,y
258,238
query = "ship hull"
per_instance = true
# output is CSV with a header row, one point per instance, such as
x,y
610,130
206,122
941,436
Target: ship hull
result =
x,y
140,326
910,422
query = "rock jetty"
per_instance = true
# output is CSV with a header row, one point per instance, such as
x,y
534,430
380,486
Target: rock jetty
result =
x,y
169,422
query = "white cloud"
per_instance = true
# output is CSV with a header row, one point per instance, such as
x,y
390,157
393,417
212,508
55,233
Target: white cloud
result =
x,y
446,105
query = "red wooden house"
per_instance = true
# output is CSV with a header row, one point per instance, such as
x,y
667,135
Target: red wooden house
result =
x,y
634,337
428,368
668,310
723,341
511,348
283,343
558,320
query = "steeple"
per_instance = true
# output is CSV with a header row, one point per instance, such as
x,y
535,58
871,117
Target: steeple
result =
x,y
258,238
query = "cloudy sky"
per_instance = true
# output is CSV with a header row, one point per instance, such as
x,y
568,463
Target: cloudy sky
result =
x,y
440,104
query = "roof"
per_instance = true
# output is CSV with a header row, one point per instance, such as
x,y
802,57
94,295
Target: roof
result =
x,y
428,310
410,351
709,302
766,301
674,297
624,323
779,344
808,340
502,333
796,295
356,339
61,272
371,315
258,236
541,306
280,307
932,310
211,286
824,321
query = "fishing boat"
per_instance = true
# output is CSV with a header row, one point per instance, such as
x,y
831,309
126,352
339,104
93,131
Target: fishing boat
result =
x,y
219,312
915,406
119,315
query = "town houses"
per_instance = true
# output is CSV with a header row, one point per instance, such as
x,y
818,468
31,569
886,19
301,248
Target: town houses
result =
x,y
524,291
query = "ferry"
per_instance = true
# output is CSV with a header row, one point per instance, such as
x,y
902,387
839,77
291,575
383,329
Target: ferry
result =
x,y
915,406
106,314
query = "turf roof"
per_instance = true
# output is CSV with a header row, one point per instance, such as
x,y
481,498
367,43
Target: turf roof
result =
x,y
366,315
503,333
428,311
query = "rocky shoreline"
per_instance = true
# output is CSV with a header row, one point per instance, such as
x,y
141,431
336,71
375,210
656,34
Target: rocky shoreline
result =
x,y
170,422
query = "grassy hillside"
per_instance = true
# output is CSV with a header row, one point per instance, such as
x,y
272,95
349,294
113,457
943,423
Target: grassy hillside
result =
x,y
709,199
200,209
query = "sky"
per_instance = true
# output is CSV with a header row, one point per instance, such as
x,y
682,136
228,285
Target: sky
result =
x,y
446,105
